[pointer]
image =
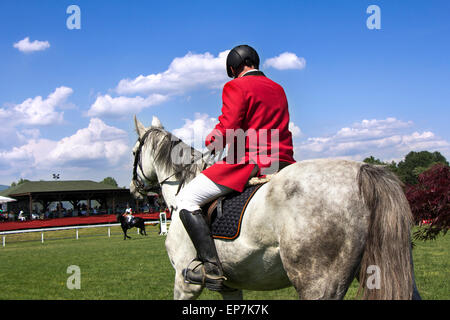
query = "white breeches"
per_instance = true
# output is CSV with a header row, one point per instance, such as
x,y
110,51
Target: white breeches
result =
x,y
198,192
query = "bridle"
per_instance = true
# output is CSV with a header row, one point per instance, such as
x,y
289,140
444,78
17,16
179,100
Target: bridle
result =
x,y
140,186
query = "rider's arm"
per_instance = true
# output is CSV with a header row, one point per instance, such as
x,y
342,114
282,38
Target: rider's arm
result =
x,y
233,113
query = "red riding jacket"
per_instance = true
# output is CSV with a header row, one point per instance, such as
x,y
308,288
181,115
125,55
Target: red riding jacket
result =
x,y
258,106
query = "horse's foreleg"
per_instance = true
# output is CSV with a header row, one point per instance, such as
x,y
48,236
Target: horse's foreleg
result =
x,y
185,291
125,236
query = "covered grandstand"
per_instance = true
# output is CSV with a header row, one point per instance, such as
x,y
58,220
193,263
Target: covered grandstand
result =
x,y
71,198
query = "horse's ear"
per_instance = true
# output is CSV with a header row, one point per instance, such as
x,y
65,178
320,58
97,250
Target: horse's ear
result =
x,y
140,129
156,123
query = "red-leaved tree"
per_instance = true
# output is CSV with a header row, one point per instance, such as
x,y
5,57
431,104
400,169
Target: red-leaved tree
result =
x,y
429,200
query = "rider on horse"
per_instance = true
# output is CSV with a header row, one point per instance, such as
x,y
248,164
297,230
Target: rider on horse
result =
x,y
253,105
128,215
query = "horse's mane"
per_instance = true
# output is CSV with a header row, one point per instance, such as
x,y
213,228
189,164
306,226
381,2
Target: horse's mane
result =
x,y
163,144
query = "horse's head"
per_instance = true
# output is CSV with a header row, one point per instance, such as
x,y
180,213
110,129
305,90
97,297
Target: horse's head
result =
x,y
144,173
162,158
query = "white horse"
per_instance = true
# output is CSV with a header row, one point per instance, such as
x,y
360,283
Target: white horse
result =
x,y
315,225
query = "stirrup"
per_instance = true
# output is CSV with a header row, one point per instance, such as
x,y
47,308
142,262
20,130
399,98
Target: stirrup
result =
x,y
185,270
204,277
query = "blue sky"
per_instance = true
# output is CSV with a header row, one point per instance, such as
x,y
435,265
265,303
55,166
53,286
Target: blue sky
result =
x,y
359,92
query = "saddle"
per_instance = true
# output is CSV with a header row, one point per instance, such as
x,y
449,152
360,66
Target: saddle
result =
x,y
224,215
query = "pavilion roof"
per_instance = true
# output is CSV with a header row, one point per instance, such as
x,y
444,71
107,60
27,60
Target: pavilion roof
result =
x,y
57,186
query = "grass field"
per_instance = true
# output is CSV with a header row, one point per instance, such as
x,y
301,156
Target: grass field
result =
x,y
140,269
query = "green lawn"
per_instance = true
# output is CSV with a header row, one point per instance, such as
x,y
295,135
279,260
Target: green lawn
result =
x,y
140,269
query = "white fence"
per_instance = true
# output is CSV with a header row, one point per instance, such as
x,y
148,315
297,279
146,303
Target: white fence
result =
x,y
42,230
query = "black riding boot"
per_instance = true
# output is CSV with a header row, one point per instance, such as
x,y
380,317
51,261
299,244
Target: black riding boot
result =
x,y
210,272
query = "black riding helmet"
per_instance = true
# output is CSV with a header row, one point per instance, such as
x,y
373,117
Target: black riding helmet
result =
x,y
241,56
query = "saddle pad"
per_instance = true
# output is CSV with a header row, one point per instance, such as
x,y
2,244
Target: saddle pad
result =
x,y
227,226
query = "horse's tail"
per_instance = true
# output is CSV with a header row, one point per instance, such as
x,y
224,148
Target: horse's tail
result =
x,y
387,251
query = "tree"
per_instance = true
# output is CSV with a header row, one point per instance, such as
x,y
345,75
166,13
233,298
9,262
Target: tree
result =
x,y
21,180
110,181
372,160
391,166
417,162
429,200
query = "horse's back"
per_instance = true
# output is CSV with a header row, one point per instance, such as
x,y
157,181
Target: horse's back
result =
x,y
322,189
318,198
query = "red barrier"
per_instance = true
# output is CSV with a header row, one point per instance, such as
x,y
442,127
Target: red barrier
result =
x,y
69,221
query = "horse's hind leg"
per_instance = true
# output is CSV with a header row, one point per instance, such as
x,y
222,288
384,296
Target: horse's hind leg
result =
x,y
317,283
316,264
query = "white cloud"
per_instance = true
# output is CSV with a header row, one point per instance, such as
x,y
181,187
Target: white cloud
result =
x,y
184,73
94,147
295,130
121,106
97,142
285,61
26,46
38,111
194,132
190,72
385,139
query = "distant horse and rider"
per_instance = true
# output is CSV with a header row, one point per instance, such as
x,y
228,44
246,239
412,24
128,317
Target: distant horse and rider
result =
x,y
128,221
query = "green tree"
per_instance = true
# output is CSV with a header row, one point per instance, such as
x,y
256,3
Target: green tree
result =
x,y
417,162
391,166
21,180
110,181
372,160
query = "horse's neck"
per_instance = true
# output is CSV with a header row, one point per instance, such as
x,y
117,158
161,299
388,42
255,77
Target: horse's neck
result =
x,y
169,194
169,188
